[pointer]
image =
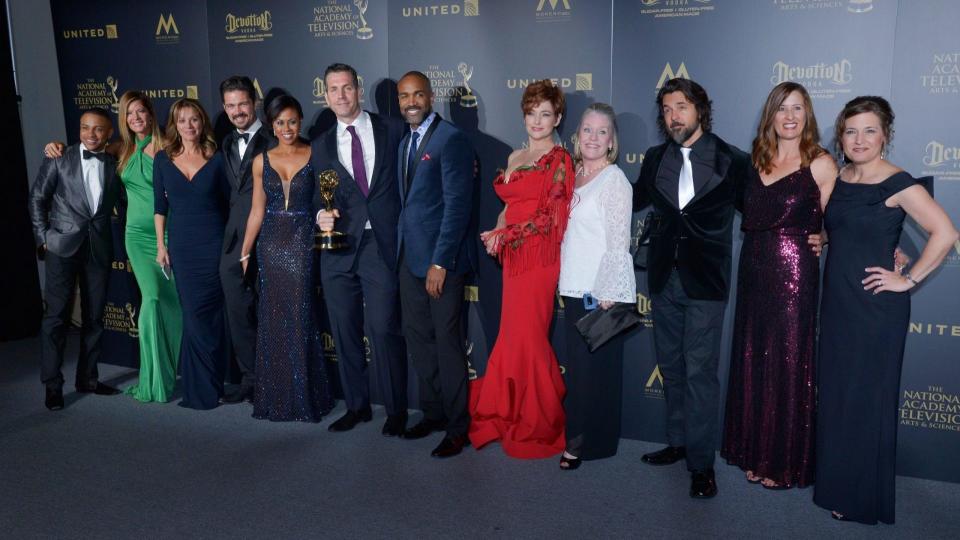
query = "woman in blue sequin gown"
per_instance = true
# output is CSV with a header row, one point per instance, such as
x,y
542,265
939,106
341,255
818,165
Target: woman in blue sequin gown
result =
x,y
292,382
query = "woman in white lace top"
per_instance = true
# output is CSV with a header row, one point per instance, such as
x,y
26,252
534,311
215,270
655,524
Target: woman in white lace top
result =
x,y
596,271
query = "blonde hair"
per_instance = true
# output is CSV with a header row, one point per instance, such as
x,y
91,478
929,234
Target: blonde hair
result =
x,y
606,110
128,139
174,145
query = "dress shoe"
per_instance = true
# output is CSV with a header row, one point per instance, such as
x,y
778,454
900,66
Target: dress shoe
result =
x,y
349,420
702,484
99,389
238,395
54,400
450,446
395,425
423,428
667,456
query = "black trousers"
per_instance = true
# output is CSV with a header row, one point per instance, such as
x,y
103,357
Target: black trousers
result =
x,y
240,311
366,301
435,340
686,335
594,389
61,275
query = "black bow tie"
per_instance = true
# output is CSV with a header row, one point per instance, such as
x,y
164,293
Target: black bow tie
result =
x,y
96,155
244,136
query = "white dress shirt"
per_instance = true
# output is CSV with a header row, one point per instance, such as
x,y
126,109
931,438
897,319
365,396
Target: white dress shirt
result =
x,y
595,253
92,179
252,130
364,128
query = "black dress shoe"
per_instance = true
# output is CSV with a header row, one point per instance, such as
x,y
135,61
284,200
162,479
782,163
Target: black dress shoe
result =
x,y
702,484
667,456
450,446
238,395
349,420
423,428
54,400
99,389
395,425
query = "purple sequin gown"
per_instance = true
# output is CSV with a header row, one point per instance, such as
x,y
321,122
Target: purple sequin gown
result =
x,y
770,414
292,381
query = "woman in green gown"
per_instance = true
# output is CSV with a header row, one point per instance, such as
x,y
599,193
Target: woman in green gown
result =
x,y
160,320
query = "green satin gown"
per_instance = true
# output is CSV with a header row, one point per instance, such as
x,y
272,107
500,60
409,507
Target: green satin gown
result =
x,y
159,321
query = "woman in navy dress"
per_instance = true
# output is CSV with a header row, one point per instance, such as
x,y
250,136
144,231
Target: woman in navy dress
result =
x,y
768,428
190,197
864,315
292,381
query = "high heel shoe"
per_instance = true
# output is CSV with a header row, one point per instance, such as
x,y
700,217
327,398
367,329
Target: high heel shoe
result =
x,y
569,464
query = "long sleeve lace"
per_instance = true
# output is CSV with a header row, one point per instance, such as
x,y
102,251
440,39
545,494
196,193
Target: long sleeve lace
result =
x,y
615,278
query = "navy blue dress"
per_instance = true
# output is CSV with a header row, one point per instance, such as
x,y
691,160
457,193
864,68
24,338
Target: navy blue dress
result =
x,y
196,213
292,381
862,336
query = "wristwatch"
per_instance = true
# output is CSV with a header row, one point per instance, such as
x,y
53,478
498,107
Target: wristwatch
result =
x,y
437,267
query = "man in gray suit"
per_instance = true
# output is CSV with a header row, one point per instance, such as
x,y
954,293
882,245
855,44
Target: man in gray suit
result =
x,y
71,202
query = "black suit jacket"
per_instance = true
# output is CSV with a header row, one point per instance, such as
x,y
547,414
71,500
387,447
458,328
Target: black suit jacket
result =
x,y
381,206
240,175
60,212
697,239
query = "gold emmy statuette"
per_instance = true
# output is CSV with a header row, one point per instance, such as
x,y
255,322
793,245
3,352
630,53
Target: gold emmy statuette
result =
x,y
467,100
364,32
328,240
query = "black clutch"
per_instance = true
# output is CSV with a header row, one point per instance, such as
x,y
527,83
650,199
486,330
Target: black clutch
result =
x,y
640,241
601,325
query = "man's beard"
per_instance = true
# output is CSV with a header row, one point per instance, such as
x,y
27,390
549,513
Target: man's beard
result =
x,y
682,135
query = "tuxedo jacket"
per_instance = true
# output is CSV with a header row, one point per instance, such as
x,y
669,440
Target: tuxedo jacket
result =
x,y
696,240
60,211
381,206
240,175
438,198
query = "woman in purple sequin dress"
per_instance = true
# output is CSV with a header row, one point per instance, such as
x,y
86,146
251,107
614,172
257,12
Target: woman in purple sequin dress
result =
x,y
769,423
292,381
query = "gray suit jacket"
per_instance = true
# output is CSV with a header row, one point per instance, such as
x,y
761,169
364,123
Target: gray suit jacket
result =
x,y
60,212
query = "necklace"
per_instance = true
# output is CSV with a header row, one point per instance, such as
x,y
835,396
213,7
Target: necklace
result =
x,y
584,173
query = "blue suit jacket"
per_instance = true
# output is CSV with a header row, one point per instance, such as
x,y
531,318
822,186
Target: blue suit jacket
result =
x,y
437,216
381,207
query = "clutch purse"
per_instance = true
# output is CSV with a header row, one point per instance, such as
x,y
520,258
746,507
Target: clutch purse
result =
x,y
601,325
640,241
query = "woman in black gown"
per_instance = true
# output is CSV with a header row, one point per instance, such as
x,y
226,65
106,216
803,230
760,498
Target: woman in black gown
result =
x,y
191,193
864,314
292,379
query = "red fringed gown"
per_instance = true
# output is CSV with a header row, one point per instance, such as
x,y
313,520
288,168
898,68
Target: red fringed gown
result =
x,y
519,400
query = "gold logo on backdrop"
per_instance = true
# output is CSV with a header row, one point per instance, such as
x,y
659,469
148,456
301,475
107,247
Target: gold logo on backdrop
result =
x,y
579,81
109,31
932,408
341,19
467,99
329,349
192,92
249,28
823,80
668,73
167,32
320,90
132,329
633,158
93,93
645,308
364,32
553,4
256,87
584,81
654,385
934,329
943,161
944,75
471,293
553,11
122,319
113,84
470,8
675,8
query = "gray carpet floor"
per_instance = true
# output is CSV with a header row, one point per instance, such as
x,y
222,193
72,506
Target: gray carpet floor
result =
x,y
110,467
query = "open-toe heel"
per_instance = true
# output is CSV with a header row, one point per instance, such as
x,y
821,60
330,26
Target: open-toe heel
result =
x,y
569,464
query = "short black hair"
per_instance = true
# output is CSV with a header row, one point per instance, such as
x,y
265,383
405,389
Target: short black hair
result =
x,y
99,111
695,94
241,83
281,103
340,68
420,75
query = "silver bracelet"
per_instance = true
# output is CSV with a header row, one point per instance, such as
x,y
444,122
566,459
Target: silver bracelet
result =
x,y
910,279
245,257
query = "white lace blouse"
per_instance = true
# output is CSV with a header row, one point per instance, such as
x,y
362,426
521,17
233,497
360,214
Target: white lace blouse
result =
x,y
595,254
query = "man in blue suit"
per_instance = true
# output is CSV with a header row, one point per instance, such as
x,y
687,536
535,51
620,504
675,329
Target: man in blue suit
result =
x,y
437,251
360,281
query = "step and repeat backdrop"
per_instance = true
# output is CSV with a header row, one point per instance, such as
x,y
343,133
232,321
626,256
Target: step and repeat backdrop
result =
x,y
481,54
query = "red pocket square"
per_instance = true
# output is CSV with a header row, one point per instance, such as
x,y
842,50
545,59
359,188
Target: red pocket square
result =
x,y
426,157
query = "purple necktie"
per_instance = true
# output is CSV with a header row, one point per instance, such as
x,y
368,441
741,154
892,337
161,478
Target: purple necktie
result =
x,y
356,155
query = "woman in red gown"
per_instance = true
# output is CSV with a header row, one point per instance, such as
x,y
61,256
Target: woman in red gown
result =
x,y
519,399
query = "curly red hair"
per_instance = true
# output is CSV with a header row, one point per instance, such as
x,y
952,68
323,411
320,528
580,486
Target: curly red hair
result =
x,y
540,91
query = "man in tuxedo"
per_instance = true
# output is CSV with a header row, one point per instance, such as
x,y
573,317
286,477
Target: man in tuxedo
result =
x,y
437,251
71,202
694,182
360,280
239,147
